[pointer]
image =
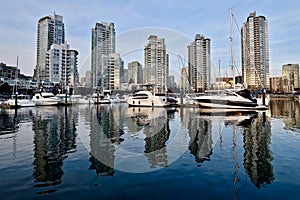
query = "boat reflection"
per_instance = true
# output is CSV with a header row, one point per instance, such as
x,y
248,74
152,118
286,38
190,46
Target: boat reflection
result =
x,y
239,118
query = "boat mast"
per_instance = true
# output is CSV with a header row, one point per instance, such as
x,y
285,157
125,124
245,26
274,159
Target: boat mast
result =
x,y
219,76
16,77
232,49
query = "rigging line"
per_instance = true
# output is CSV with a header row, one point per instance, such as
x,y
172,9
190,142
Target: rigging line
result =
x,y
237,26
239,73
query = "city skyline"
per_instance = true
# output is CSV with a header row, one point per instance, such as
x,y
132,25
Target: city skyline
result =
x,y
138,20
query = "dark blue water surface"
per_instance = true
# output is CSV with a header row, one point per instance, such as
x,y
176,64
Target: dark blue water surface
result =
x,y
116,152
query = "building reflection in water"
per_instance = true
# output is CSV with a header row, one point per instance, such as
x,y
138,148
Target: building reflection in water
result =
x,y
119,127
200,132
153,124
205,129
289,110
157,133
105,134
54,137
258,155
256,130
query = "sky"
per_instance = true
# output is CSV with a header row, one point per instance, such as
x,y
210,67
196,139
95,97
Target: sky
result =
x,y
176,21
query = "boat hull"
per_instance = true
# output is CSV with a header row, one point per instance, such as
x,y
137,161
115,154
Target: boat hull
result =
x,y
46,103
230,100
24,102
230,105
146,103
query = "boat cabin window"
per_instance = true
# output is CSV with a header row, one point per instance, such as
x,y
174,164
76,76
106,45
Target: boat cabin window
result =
x,y
140,96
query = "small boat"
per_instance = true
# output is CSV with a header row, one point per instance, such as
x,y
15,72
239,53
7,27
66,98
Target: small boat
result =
x,y
230,99
100,99
22,101
147,99
45,99
66,99
117,99
79,99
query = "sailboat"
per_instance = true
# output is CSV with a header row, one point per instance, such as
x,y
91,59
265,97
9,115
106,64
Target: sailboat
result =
x,y
239,99
19,100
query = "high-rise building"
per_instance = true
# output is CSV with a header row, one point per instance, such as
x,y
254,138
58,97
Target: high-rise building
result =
x,y
62,62
276,85
103,44
184,81
199,63
50,31
171,82
156,69
255,52
135,75
290,76
124,76
56,62
86,80
114,69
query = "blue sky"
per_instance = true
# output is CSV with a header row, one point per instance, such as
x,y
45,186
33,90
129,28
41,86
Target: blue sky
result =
x,y
176,20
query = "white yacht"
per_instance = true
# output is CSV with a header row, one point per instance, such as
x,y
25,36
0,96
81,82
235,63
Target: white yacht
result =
x,y
147,99
22,101
45,99
231,99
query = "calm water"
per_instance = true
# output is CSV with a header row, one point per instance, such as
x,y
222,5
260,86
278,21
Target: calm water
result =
x,y
116,152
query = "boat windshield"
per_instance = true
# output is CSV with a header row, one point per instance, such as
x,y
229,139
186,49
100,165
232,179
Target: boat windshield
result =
x,y
246,94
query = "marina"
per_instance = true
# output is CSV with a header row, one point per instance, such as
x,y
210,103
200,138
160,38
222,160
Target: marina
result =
x,y
113,151
125,101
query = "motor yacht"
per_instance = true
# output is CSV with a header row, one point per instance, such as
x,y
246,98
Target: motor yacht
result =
x,y
147,99
231,99
45,99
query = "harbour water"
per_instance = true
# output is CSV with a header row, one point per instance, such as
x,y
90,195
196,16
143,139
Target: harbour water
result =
x,y
116,152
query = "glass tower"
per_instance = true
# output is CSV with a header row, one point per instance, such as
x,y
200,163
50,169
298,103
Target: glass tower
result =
x,y
255,52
